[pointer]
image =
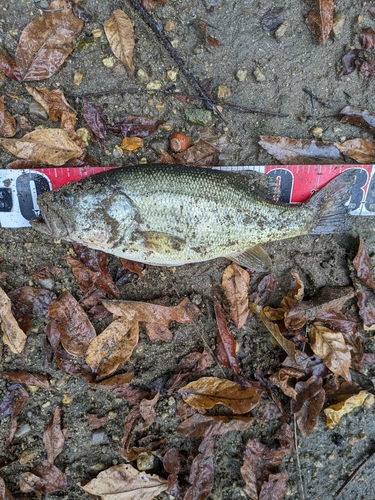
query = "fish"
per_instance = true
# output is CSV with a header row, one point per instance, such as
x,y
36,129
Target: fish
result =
x,y
171,215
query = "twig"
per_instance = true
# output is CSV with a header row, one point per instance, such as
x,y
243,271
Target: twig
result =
x,y
297,456
354,474
313,96
160,33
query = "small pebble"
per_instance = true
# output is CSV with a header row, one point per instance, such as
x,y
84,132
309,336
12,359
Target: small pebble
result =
x,y
342,138
22,430
27,456
169,26
108,62
172,75
223,92
154,85
66,399
280,32
98,436
199,116
146,461
77,78
96,33
338,24
360,19
317,132
84,134
241,75
117,152
259,76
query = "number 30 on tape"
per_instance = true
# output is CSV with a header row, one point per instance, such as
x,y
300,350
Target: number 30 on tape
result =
x,y
19,189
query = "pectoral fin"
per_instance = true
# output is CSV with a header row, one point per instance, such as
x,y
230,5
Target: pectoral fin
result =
x,y
160,242
254,258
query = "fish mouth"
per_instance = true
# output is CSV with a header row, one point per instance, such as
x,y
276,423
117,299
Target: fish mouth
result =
x,y
50,223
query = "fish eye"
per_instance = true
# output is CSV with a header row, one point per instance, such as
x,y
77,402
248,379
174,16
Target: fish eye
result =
x,y
67,199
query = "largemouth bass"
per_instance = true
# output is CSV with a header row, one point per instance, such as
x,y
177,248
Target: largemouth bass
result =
x,y
174,214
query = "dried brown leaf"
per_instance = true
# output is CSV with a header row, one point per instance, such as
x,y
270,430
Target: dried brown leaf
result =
x,y
9,67
54,102
201,477
155,317
335,412
5,494
134,267
330,346
363,266
226,346
70,320
53,437
13,336
281,379
264,291
361,150
122,388
96,422
7,122
301,151
86,277
295,295
113,346
275,487
193,362
123,482
37,300
50,145
367,38
368,68
308,404
120,33
136,126
235,284
320,20
202,425
207,392
349,62
27,378
94,120
45,478
366,305
147,410
12,401
358,117
46,41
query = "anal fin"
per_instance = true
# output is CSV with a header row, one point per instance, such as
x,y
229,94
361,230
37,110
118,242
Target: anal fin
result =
x,y
254,258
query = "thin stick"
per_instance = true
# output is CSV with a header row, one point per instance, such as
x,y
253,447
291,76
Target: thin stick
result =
x,y
297,456
160,33
354,474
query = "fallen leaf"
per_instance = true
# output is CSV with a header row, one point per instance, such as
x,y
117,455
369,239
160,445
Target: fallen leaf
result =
x,y
46,41
301,151
151,4
281,379
358,117
131,143
363,266
193,362
122,388
49,145
37,300
70,364
155,317
368,68
335,412
172,464
13,336
35,379
113,346
75,330
294,295
54,103
367,38
264,290
308,403
85,277
123,482
147,410
276,336
44,478
94,120
134,267
7,122
201,477
120,33
272,19
9,67
200,425
349,62
53,437
275,487
136,126
96,422
5,494
366,305
12,401
210,40
207,392
226,346
235,283
361,150
320,20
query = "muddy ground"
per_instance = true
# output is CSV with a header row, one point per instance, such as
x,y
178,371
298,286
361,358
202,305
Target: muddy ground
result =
x,y
290,63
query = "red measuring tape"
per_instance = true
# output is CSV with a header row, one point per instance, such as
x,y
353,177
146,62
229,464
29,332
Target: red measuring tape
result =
x,y
19,189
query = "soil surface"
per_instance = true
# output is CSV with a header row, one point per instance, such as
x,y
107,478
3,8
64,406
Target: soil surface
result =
x,y
289,63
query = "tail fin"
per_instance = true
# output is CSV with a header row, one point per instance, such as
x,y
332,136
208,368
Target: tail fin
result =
x,y
328,204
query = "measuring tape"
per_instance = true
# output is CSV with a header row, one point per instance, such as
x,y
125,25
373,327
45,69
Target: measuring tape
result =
x,y
19,189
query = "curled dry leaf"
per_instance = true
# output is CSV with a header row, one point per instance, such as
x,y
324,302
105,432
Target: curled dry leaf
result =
x,y
7,122
275,487
358,117
147,410
123,482
349,62
367,38
96,422
12,401
308,404
155,317
235,283
363,266
53,437
35,379
320,20
281,379
330,346
301,151
5,494
37,300
72,324
50,146
361,150
46,41
120,33
366,305
193,362
201,477
94,120
136,126
202,425
295,295
368,68
335,412
13,336
226,347
113,346
85,277
44,478
134,267
207,392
